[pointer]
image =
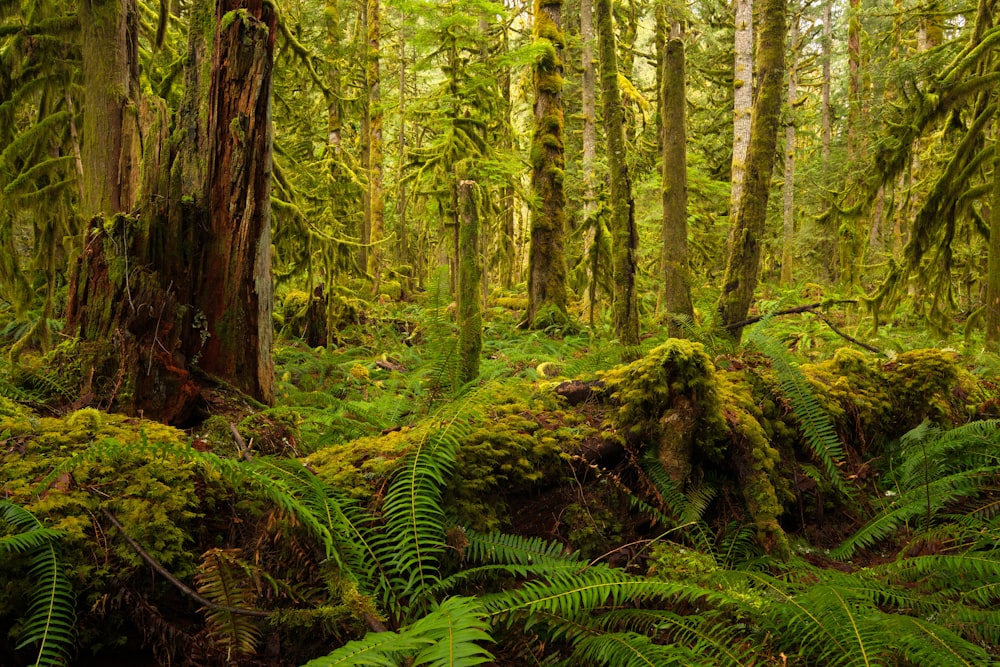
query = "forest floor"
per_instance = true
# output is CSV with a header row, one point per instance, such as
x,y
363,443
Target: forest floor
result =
x,y
793,463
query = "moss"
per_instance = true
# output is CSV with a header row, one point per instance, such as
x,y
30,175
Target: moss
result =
x,y
518,443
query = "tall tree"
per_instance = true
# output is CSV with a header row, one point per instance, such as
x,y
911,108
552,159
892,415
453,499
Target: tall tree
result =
x,y
547,297
743,254
186,283
589,113
470,306
743,80
375,222
788,189
624,233
673,103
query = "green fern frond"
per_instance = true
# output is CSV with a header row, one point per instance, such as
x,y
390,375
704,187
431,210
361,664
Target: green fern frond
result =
x,y
595,588
629,649
817,427
413,537
497,547
219,581
51,617
448,636
937,469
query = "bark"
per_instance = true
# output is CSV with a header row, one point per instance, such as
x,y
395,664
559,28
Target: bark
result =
x,y
186,284
742,100
746,234
852,236
236,296
788,189
624,234
376,193
993,263
827,46
110,151
547,298
589,111
677,281
403,247
470,307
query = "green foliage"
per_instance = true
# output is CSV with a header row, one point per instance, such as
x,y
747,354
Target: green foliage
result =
x,y
221,580
934,470
817,427
51,616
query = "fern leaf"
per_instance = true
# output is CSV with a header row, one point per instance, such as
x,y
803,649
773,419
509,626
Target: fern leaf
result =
x,y
457,627
497,547
218,582
51,617
817,428
628,649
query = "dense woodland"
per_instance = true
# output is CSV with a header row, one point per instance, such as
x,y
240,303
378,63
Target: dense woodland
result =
x,y
454,332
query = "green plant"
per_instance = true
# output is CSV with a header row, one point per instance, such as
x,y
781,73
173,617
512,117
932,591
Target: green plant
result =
x,y
51,616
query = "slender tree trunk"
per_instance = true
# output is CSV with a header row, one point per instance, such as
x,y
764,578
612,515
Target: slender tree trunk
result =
x,y
588,93
746,234
625,236
376,191
547,298
827,46
402,249
470,306
677,282
993,264
742,100
852,241
788,190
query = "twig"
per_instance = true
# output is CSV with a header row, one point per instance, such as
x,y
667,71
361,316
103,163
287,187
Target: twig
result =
x,y
180,585
810,308
788,311
843,335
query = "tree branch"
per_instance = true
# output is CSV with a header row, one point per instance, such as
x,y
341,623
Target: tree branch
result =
x,y
811,308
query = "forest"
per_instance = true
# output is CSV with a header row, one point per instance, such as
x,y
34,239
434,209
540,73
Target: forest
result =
x,y
456,332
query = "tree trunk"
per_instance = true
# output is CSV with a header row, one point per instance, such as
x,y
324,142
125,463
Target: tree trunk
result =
x,y
110,151
589,111
677,281
745,236
827,47
236,292
376,193
470,307
993,265
186,284
624,234
742,101
852,238
547,299
788,189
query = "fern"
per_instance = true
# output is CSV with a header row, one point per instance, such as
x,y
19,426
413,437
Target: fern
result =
x,y
219,582
936,470
51,616
448,636
817,428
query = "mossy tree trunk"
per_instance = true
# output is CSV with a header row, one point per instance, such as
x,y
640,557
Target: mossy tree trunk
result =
x,y
624,234
589,112
677,281
547,297
110,150
376,191
186,283
788,189
470,306
993,263
746,234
